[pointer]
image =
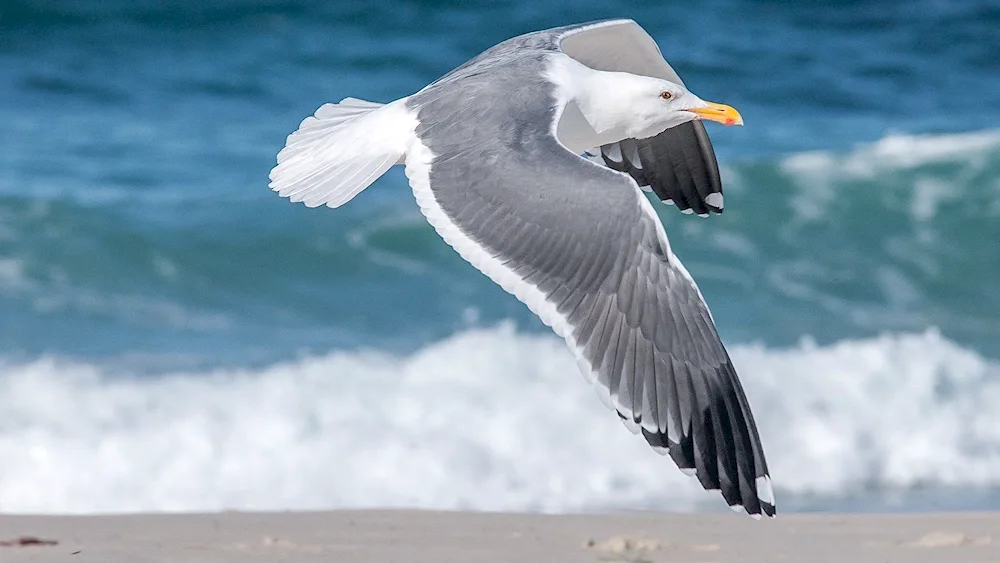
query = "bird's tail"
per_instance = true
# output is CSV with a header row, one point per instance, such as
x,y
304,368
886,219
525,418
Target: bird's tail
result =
x,y
341,150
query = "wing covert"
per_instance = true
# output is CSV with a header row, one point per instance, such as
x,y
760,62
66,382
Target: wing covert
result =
x,y
581,246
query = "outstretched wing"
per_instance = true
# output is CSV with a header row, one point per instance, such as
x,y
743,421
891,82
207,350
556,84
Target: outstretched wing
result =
x,y
582,247
678,165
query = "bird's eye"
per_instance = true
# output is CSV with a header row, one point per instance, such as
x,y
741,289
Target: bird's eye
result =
x,y
666,95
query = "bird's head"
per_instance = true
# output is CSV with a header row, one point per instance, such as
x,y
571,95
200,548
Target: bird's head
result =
x,y
643,106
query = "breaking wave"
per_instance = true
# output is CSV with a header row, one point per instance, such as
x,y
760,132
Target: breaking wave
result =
x,y
487,419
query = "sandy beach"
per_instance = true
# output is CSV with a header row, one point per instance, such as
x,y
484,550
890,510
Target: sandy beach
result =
x,y
440,537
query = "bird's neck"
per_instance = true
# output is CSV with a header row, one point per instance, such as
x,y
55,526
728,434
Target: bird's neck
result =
x,y
592,113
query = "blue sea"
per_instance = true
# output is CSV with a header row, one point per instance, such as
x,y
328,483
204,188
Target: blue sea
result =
x,y
175,337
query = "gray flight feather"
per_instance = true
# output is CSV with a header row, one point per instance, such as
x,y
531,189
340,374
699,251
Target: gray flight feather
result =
x,y
579,232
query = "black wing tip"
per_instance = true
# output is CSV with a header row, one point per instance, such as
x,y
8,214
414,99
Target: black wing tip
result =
x,y
684,206
688,178
757,501
765,511
756,498
682,166
762,510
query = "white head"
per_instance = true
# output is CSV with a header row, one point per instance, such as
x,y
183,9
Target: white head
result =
x,y
637,106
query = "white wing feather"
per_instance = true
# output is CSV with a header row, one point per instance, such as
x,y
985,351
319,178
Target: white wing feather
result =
x,y
341,150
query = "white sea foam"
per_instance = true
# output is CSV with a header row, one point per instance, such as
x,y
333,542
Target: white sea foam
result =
x,y
899,151
488,419
820,174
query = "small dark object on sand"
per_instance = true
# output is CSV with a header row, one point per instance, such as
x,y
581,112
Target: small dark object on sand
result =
x,y
27,541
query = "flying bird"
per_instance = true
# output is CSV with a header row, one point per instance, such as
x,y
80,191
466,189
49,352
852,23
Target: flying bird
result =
x,y
531,161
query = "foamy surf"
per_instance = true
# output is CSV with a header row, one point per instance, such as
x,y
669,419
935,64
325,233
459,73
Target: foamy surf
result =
x,y
488,419
899,152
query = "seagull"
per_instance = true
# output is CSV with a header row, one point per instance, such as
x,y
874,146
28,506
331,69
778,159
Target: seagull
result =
x,y
531,160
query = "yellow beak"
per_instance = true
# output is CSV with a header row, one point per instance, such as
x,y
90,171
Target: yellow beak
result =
x,y
721,113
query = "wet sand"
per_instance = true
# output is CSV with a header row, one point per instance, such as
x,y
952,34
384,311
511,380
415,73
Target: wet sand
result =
x,y
442,537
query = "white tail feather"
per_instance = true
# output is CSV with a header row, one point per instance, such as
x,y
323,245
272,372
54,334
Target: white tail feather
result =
x,y
341,150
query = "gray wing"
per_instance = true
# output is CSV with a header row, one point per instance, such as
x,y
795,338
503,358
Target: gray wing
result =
x,y
582,247
678,165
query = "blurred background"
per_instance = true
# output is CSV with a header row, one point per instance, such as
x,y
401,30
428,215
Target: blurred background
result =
x,y
173,336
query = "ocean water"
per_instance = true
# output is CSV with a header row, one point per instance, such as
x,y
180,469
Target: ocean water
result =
x,y
173,336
